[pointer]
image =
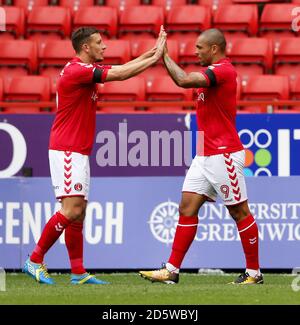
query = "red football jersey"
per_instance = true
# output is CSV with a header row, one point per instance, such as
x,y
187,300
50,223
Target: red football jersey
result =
x,y
216,111
75,121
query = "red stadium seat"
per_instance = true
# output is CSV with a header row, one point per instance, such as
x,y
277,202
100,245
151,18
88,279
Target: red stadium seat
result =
x,y
276,21
183,39
121,5
168,4
103,18
295,92
245,71
186,22
52,73
287,51
117,52
26,89
141,19
215,4
251,53
20,54
131,90
287,59
27,5
154,71
187,53
55,53
49,22
265,87
237,19
164,89
75,5
192,18
7,73
292,71
14,23
52,57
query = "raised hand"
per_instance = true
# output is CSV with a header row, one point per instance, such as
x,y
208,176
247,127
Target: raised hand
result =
x,y
160,43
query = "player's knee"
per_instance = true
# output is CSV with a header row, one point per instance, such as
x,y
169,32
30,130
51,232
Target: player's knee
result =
x,y
238,212
75,213
187,210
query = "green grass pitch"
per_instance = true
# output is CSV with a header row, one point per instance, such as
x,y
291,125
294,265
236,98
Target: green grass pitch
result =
x,y
131,289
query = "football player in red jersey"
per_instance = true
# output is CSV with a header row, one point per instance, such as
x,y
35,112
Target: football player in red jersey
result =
x,y
217,169
71,142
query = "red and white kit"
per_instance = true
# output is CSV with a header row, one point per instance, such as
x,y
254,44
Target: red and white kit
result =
x,y
72,133
219,169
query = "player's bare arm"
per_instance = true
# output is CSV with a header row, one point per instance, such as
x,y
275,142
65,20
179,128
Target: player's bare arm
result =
x,y
126,71
181,78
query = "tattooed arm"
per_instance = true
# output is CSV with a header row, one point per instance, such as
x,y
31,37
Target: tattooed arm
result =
x,y
181,78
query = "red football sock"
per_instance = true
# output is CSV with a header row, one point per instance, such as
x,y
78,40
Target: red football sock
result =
x,y
249,236
74,243
52,230
184,236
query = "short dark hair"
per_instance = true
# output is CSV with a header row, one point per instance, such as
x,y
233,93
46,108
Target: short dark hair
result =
x,y
81,35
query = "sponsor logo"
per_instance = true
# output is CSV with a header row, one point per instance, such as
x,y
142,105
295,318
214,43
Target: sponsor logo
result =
x,y
78,187
163,221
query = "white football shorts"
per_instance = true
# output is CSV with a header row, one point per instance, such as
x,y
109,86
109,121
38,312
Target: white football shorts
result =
x,y
218,175
70,173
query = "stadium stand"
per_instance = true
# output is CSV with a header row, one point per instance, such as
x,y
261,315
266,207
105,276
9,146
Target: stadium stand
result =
x,y
264,87
276,20
237,20
168,4
50,22
26,89
131,90
251,56
164,89
121,5
262,40
15,23
52,56
140,21
103,18
28,5
213,5
75,5
184,23
117,52
287,59
12,57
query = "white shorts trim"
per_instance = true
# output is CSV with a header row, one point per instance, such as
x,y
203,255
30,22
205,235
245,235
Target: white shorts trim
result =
x,y
218,175
70,173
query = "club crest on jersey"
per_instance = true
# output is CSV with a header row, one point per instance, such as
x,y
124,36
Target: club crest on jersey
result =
x,y
78,187
201,97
